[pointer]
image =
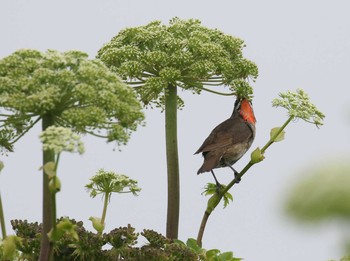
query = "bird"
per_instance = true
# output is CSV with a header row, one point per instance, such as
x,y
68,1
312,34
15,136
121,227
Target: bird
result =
x,y
230,140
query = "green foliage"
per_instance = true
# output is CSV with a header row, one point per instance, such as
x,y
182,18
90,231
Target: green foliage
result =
x,y
212,189
79,93
210,255
122,240
106,182
30,234
299,106
183,53
322,194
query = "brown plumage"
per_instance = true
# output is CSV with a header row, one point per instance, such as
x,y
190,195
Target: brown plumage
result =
x,y
230,140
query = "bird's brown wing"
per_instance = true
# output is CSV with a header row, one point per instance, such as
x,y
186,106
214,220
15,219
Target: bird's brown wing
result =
x,y
226,134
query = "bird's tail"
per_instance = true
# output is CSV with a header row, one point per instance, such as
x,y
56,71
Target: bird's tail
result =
x,y
210,162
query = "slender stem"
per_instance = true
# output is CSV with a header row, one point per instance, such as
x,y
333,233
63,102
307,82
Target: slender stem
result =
x,y
46,253
272,139
172,226
202,228
238,177
219,93
2,220
26,130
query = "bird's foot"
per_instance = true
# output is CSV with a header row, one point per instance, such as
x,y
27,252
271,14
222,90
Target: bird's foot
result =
x,y
237,177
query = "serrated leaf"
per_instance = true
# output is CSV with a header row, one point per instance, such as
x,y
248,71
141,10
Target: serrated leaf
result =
x,y
279,137
209,189
227,198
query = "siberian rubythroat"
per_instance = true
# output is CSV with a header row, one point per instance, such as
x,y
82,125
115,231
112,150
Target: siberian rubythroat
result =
x,y
230,140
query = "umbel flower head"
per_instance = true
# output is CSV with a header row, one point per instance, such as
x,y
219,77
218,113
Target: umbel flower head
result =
x,y
61,139
77,92
183,54
299,106
107,182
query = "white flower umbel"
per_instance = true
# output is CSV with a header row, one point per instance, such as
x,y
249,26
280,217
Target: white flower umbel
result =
x,y
61,139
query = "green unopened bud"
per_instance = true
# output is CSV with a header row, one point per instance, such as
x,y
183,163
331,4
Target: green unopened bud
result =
x,y
213,202
274,132
256,156
54,184
97,224
9,247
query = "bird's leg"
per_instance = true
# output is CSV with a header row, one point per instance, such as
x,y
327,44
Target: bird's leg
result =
x,y
218,185
237,178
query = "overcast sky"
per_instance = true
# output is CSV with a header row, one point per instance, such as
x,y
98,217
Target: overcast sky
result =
x,y
296,44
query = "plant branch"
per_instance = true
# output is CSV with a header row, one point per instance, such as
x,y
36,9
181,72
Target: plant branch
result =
x,y
219,93
26,130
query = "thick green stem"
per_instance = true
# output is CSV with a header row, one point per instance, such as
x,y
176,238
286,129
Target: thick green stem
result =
x,y
234,181
2,220
172,226
46,253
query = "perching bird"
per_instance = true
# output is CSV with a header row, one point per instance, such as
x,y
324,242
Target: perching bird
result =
x,y
230,140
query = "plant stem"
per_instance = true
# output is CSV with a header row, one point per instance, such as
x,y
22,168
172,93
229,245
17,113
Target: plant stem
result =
x,y
272,139
104,211
234,181
219,93
172,225
46,253
2,220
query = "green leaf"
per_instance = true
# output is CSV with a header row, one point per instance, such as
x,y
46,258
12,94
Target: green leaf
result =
x,y
64,227
226,256
227,198
192,243
212,253
274,132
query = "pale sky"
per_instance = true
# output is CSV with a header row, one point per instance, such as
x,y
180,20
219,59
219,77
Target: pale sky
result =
x,y
296,44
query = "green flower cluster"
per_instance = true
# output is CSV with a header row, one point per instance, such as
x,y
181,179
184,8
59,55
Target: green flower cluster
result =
x,y
78,93
107,182
61,139
183,53
299,106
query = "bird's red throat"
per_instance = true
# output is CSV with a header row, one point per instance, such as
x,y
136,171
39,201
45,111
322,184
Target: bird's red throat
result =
x,y
247,112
